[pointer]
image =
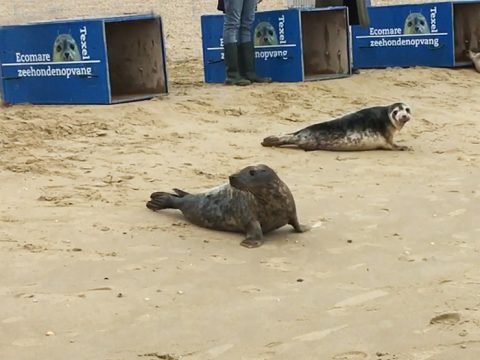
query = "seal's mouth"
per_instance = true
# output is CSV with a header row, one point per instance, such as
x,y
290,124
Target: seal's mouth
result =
x,y
234,181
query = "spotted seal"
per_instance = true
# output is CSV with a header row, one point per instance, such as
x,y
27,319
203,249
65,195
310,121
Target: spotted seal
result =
x,y
367,129
254,201
65,48
475,57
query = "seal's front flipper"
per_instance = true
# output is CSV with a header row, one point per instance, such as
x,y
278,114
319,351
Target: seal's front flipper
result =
x,y
251,243
162,200
396,147
298,227
401,148
254,235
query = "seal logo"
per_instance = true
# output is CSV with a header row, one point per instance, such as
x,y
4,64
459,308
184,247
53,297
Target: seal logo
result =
x,y
65,48
416,23
265,34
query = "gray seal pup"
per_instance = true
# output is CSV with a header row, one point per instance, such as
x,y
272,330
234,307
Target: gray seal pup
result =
x,y
254,201
475,57
367,129
415,23
65,48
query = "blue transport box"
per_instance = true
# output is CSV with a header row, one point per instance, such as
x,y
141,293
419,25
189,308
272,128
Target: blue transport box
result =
x,y
83,61
290,45
432,34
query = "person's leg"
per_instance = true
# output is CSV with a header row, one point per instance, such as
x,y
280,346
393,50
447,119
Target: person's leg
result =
x,y
231,28
246,48
247,17
231,23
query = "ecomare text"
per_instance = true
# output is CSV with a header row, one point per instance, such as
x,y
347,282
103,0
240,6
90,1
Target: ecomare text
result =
x,y
27,58
388,31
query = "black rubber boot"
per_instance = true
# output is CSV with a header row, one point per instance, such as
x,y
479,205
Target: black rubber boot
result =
x,y
246,54
231,66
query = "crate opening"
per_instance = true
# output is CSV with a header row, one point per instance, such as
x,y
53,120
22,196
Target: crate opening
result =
x,y
467,30
134,72
325,44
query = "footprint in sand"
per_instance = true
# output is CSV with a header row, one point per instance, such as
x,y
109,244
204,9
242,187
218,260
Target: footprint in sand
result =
x,y
350,355
445,319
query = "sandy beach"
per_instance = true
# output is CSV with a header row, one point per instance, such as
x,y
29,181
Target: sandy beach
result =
x,y
389,271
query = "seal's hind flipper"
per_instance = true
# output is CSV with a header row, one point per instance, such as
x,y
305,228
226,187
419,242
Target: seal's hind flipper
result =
x,y
270,141
161,200
278,140
180,193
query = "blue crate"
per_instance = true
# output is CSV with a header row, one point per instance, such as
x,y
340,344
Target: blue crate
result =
x,y
83,61
308,44
432,34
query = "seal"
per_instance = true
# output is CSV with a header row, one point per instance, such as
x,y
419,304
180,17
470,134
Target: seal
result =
x,y
65,48
367,129
254,201
415,23
475,57
265,34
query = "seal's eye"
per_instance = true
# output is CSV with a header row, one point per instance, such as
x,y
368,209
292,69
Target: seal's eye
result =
x,y
259,34
72,47
422,22
409,24
395,112
407,110
270,32
252,172
58,48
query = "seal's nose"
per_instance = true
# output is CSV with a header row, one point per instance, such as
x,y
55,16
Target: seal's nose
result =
x,y
405,118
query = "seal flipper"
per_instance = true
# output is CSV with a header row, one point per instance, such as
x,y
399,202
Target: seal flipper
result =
x,y
279,140
180,193
162,200
254,235
390,145
299,228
